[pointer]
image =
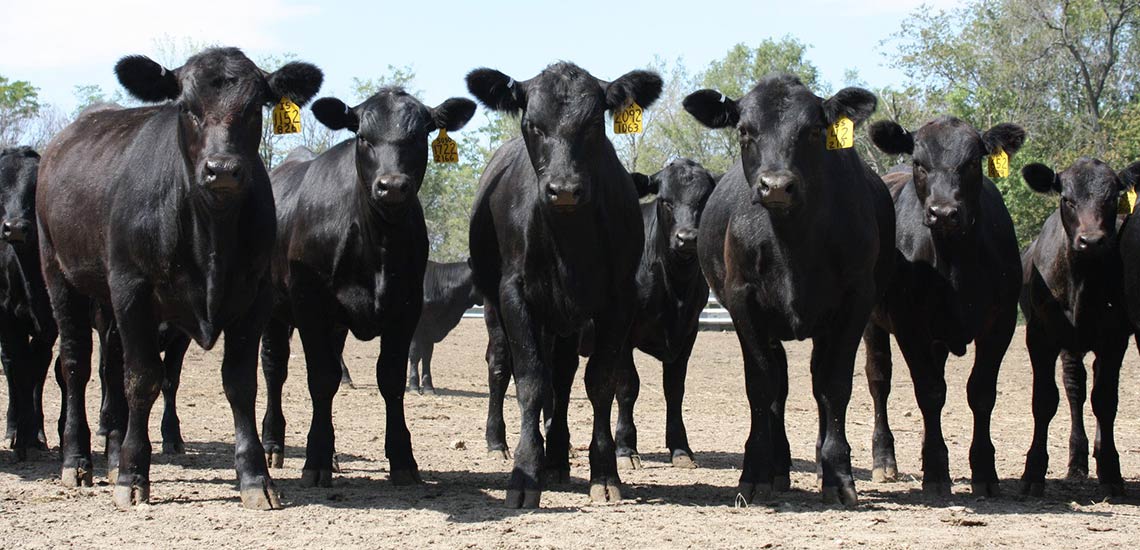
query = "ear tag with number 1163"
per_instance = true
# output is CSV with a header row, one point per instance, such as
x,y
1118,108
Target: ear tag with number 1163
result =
x,y
841,135
286,117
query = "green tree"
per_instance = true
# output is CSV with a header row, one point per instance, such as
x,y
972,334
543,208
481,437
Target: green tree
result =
x,y
19,105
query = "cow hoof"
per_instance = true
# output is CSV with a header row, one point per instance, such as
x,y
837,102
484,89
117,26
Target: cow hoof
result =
x,y
77,476
21,453
885,474
605,492
781,484
985,489
316,478
1114,489
525,498
173,447
410,476
841,495
631,462
113,476
683,459
499,454
555,476
263,497
275,459
129,496
336,465
936,488
428,390
752,492
1033,488
1077,474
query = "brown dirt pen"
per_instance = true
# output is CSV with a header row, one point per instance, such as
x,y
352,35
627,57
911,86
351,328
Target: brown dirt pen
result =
x,y
195,503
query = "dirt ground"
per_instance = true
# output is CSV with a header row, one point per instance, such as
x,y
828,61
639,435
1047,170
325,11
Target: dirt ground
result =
x,y
194,502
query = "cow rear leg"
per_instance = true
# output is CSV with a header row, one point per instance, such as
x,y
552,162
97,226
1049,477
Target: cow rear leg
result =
x,y
41,362
394,345
981,394
1105,396
425,374
275,369
499,373
628,387
879,370
113,416
1074,375
673,375
15,354
173,355
323,376
414,359
72,312
565,364
1043,352
345,377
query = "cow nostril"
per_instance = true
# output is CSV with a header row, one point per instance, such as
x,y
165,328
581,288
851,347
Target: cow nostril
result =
x,y
952,214
788,187
577,193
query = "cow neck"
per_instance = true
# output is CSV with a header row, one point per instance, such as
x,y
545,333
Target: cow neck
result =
x,y
957,257
210,235
1091,279
810,220
373,225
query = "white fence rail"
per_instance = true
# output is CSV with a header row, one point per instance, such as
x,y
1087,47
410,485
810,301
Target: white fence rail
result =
x,y
713,317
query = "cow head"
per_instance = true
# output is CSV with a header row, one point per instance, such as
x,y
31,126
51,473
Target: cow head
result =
x,y
783,128
1090,192
220,95
563,121
392,130
947,156
18,170
682,188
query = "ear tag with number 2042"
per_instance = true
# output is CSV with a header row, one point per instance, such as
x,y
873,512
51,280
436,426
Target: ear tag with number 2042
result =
x,y
286,117
997,164
628,121
841,135
443,148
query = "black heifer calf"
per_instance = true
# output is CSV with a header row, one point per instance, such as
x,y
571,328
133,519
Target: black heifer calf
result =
x,y
555,241
1073,301
449,290
797,243
165,214
956,281
27,329
350,256
671,292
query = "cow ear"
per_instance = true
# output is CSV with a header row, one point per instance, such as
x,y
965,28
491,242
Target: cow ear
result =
x,y
453,114
641,87
891,138
1129,176
333,113
496,91
1010,137
646,185
856,104
146,80
712,108
297,81
1040,178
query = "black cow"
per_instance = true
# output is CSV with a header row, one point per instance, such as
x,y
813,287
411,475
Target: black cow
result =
x,y
351,251
449,290
796,242
1073,303
165,213
671,292
956,281
555,241
27,329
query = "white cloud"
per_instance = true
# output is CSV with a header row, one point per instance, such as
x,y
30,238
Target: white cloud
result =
x,y
49,34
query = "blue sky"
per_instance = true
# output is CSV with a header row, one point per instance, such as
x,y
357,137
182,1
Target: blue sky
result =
x,y
59,44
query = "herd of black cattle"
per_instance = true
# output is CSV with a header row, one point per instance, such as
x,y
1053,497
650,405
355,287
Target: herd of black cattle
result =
x,y
159,224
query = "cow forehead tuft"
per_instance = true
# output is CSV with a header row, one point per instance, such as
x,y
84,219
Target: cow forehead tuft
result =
x,y
392,112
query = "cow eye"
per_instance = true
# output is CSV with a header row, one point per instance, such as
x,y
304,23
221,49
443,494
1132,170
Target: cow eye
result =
x,y
364,141
1068,202
668,204
745,135
533,128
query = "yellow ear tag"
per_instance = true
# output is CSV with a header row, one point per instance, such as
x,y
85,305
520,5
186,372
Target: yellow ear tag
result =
x,y
286,117
841,135
443,148
997,164
1127,202
628,121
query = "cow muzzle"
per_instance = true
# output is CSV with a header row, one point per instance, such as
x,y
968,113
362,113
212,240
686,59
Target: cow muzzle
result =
x,y
778,190
684,241
943,219
564,195
222,173
1090,242
16,231
391,189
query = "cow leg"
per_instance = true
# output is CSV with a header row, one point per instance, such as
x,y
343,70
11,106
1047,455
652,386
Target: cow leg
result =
x,y
1074,376
781,449
275,368
564,360
239,380
15,354
425,376
673,376
114,413
323,376
927,366
394,344
172,357
72,313
833,367
340,338
41,346
11,421
414,357
498,378
757,474
526,338
877,342
1043,351
981,394
1105,394
142,377
612,343
628,386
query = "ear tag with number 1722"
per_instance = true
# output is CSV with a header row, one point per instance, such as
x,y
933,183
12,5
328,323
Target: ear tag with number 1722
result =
x,y
443,148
